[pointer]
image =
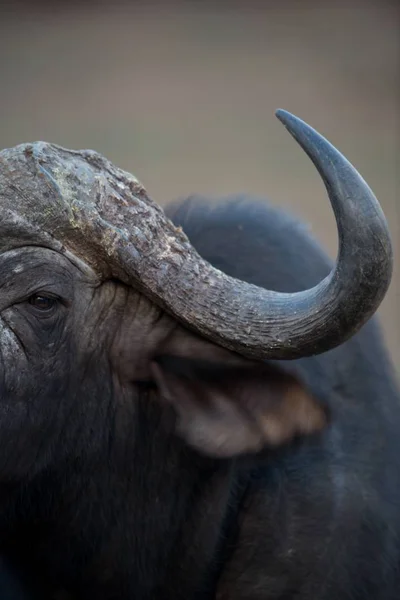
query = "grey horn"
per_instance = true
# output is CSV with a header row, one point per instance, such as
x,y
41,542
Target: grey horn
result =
x,y
80,202
263,324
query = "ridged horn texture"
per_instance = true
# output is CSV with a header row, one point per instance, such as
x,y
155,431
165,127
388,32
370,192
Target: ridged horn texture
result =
x,y
77,201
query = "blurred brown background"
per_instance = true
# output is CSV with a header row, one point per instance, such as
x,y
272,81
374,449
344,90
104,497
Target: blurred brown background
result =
x,y
183,95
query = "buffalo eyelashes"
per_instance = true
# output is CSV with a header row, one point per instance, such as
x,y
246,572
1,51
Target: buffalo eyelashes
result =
x,y
43,303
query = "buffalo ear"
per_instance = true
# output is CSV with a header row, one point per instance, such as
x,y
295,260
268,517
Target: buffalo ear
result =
x,y
225,409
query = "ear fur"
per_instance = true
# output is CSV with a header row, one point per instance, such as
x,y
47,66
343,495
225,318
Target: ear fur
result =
x,y
231,406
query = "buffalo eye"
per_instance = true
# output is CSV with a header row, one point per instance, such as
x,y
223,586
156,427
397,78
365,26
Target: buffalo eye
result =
x,y
43,303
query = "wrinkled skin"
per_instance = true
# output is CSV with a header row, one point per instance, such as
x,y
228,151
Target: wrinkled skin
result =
x,y
139,461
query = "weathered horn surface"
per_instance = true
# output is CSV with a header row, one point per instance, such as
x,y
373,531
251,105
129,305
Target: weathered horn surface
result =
x,y
78,201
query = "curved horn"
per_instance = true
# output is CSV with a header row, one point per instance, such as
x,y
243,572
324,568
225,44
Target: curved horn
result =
x,y
78,201
263,324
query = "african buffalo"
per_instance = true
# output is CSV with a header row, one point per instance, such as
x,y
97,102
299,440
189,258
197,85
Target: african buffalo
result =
x,y
192,420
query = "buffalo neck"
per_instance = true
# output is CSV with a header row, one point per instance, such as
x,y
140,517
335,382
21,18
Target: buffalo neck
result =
x,y
129,518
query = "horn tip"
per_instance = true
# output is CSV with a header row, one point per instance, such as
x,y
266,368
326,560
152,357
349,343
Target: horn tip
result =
x,y
282,113
287,118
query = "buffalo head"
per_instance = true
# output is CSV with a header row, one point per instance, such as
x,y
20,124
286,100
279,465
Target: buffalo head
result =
x,y
100,295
